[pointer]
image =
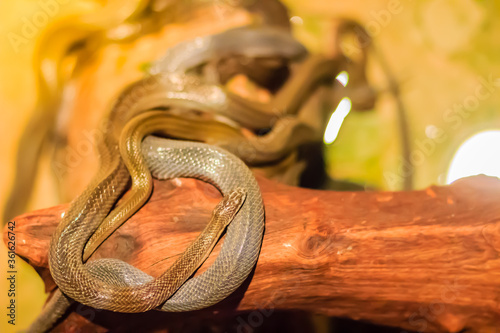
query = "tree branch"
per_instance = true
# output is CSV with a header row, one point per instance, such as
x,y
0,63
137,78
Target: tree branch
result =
x,y
421,260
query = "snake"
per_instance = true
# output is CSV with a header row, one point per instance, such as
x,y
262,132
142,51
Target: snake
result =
x,y
123,287
65,47
66,39
88,278
279,141
96,287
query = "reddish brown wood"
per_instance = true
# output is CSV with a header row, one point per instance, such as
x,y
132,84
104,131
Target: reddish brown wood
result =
x,y
422,260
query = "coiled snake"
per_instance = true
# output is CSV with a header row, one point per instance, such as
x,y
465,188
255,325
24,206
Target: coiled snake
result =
x,y
114,285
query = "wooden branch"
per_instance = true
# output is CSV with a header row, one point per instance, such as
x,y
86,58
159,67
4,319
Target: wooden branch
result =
x,y
424,261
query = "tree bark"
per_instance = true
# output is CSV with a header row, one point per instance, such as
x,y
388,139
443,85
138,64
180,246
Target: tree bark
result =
x,y
422,260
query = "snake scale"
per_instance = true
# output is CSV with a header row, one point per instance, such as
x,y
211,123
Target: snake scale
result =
x,y
110,283
77,37
115,285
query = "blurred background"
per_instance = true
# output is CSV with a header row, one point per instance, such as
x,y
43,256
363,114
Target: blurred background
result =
x,y
434,61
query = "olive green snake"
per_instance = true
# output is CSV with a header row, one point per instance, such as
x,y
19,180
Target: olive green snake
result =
x,y
112,284
67,44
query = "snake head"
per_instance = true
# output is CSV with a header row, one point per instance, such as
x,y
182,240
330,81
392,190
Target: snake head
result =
x,y
230,204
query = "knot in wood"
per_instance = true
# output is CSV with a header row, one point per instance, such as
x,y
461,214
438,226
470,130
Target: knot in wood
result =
x,y
315,245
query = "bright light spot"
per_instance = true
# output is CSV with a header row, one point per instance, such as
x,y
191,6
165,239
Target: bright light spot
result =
x,y
336,120
297,20
62,215
287,245
343,78
478,155
431,131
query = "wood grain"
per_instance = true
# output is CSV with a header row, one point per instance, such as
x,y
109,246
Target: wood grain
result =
x,y
423,260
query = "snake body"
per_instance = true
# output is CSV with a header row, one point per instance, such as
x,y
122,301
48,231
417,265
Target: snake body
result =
x,y
117,286
272,146
124,288
93,284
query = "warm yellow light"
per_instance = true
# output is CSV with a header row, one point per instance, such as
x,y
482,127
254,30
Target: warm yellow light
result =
x,y
336,120
480,154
